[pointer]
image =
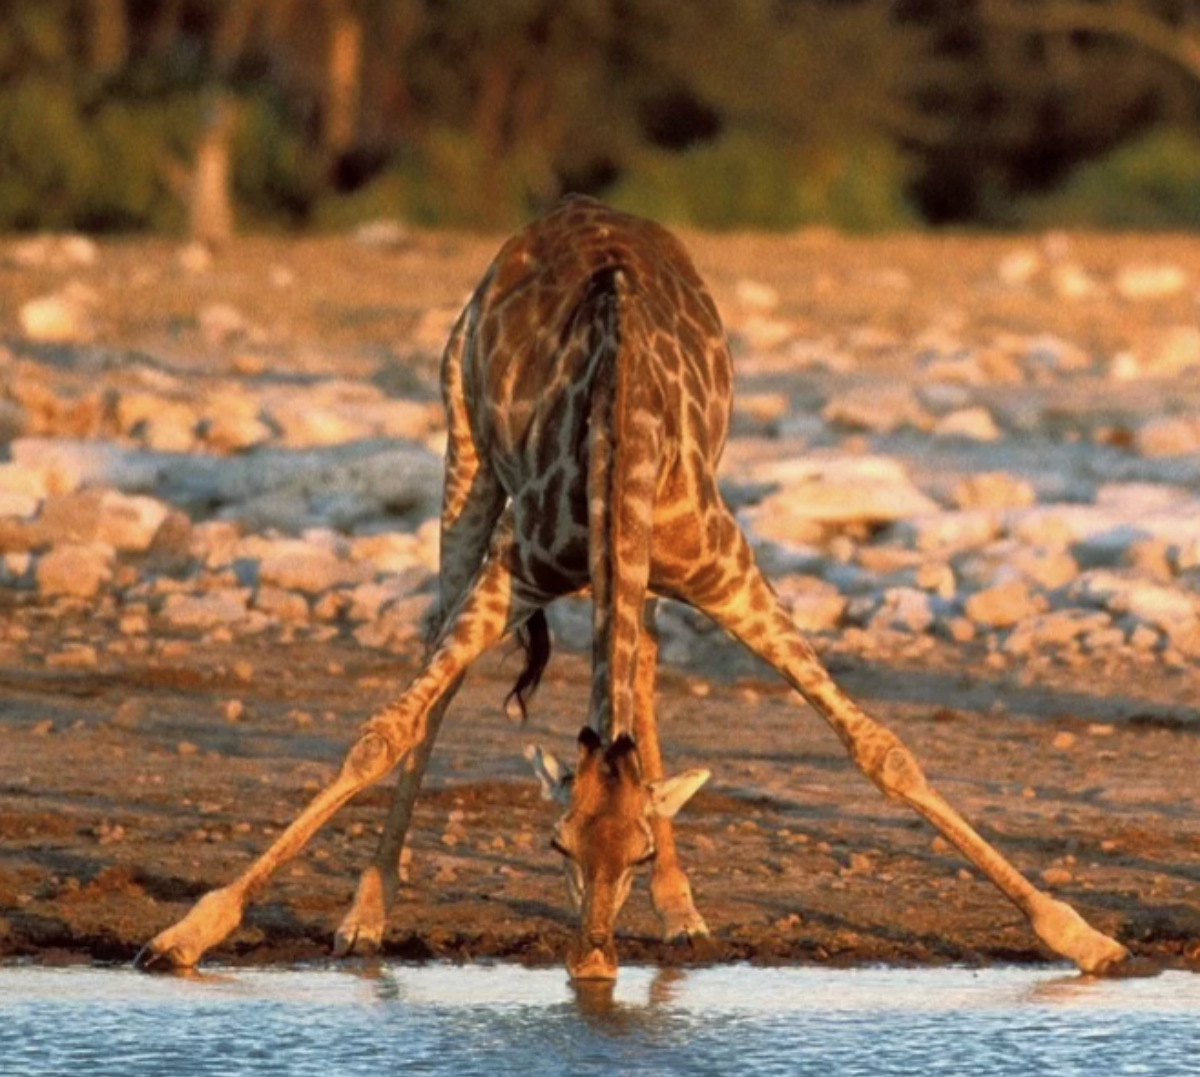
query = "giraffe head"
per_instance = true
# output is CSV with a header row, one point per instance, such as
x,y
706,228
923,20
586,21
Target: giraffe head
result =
x,y
604,834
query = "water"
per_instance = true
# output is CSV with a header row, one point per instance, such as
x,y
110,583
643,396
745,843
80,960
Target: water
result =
x,y
504,1020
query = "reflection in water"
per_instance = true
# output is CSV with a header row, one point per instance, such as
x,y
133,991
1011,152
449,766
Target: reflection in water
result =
x,y
597,1003
374,1019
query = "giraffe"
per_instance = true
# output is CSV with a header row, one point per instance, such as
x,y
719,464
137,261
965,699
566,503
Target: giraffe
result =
x,y
588,389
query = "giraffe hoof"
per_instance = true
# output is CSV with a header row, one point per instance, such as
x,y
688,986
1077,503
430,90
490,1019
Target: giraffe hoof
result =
x,y
149,959
357,939
685,925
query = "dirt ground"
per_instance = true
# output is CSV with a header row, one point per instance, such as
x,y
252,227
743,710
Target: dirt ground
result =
x,y
129,789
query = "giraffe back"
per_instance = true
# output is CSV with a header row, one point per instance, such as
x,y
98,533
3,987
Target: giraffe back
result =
x,y
564,301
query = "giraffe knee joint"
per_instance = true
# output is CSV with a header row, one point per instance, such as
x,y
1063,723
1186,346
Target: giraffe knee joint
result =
x,y
370,758
897,773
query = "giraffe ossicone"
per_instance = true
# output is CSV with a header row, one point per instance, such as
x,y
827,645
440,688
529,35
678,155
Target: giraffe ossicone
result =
x,y
588,389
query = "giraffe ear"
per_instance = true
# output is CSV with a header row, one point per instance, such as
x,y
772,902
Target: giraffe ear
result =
x,y
555,780
667,795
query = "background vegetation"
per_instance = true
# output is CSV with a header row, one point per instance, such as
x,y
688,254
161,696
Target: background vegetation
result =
x,y
864,114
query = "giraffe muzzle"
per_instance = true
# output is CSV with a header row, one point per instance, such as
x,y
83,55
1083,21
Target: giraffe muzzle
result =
x,y
593,958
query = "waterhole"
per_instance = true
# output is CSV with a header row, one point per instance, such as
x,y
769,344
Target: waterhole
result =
x,y
394,1019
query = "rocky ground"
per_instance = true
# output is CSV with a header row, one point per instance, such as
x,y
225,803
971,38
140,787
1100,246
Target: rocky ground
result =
x,y
971,466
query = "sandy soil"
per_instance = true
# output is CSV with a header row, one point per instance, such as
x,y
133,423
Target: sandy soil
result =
x,y
128,789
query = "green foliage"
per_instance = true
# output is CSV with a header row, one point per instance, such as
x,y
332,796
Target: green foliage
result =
x,y
747,180
1151,183
101,169
276,176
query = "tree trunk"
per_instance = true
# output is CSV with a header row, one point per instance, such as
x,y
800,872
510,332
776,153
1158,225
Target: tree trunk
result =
x,y
210,199
108,37
343,80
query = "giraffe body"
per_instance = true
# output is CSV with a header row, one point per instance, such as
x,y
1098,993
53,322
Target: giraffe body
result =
x,y
588,389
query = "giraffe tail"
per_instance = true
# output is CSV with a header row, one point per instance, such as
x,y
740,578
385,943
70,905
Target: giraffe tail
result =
x,y
533,637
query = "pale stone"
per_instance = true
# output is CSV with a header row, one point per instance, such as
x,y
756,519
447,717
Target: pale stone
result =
x,y
759,332
1169,436
948,531
755,295
1048,631
903,609
878,409
1055,356
1165,608
833,491
1002,605
1149,282
222,323
130,522
1174,351
815,604
18,504
993,490
205,611
74,569
69,250
56,319
1019,267
1073,282
386,233
974,424
303,566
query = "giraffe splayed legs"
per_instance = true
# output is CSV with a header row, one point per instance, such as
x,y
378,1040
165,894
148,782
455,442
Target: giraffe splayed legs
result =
x,y
588,389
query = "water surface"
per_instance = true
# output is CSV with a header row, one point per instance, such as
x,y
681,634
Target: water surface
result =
x,y
395,1019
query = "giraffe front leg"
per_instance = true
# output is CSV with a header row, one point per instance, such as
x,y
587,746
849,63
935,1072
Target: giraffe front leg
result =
x,y
388,738
670,891
361,930
743,603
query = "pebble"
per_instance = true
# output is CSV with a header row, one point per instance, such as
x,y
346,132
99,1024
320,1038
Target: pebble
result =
x,y
75,570
1139,283
1001,606
206,610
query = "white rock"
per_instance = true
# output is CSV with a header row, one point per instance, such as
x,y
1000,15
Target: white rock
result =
x,y
973,424
1019,267
1173,351
1045,631
158,422
903,609
54,251
758,332
1072,282
79,570
1163,607
1054,355
207,610
58,319
385,232
835,490
222,323
302,566
195,258
1148,282
754,295
815,604
65,464
15,503
993,490
130,522
1002,605
1169,435
948,531
878,409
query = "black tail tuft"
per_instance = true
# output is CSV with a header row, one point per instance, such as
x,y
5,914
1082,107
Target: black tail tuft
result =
x,y
533,637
